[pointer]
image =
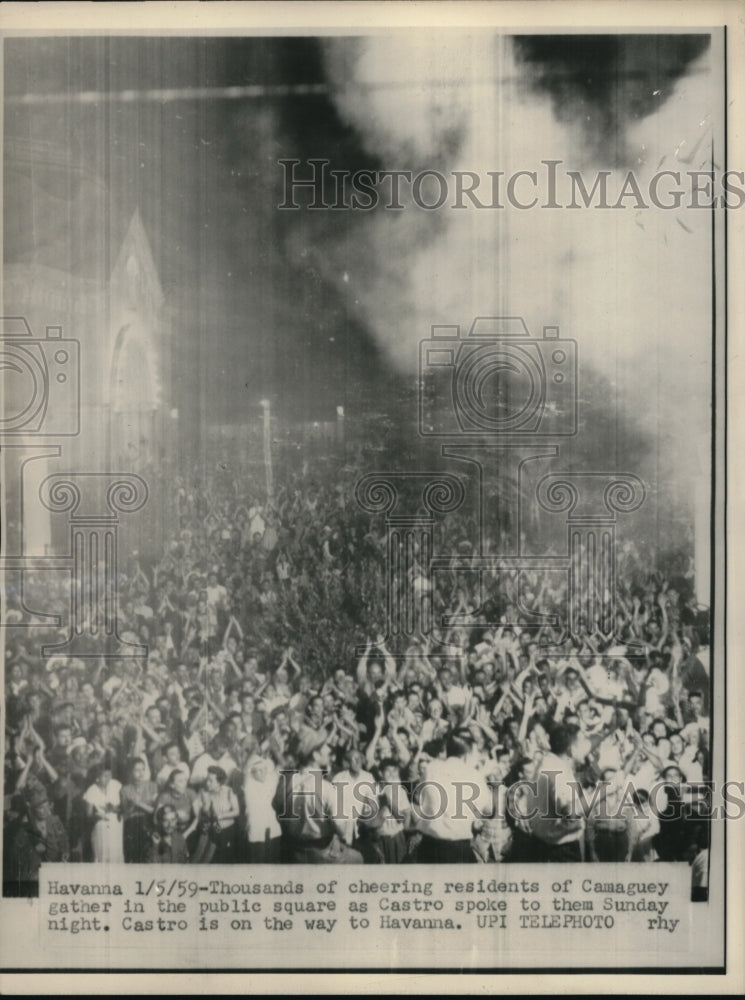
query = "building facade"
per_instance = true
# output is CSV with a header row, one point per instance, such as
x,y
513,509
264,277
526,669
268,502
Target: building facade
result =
x,y
84,306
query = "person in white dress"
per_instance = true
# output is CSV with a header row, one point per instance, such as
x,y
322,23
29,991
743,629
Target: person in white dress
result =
x,y
102,800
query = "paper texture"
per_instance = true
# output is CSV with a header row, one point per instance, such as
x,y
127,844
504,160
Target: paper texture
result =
x,y
370,520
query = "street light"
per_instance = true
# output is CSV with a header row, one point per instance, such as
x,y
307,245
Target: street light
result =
x,y
340,427
267,411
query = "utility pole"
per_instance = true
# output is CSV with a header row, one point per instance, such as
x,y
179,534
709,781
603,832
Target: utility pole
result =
x,y
340,429
266,407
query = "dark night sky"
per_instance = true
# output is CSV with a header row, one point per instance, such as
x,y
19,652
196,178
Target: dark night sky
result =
x,y
254,315
204,176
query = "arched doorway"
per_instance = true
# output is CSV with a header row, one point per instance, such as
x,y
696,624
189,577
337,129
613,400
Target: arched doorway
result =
x,y
135,400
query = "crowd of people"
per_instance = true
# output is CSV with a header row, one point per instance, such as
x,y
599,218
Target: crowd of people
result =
x,y
267,676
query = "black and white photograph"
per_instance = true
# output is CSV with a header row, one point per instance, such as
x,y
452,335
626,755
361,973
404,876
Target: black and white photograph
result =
x,y
365,417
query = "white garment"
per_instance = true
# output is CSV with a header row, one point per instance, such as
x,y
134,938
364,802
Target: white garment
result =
x,y
703,655
205,761
659,685
167,770
433,729
256,526
453,795
646,776
216,595
175,688
597,678
394,809
556,814
194,746
456,697
354,792
106,837
609,754
691,768
111,685
260,816
700,725
643,829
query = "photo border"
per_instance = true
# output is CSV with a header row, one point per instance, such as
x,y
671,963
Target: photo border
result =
x,y
727,413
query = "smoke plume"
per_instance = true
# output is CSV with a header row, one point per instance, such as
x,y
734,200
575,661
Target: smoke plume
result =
x,y
631,286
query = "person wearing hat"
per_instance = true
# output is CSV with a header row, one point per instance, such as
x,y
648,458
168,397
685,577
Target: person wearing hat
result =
x,y
38,836
307,807
56,841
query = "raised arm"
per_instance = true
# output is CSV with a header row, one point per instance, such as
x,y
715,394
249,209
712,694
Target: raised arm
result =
x,y
43,762
527,712
362,665
23,776
389,662
372,745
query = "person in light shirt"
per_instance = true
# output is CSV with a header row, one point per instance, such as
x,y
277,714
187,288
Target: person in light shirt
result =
x,y
635,680
217,594
556,823
102,799
263,832
216,756
453,795
306,805
453,696
353,783
173,762
435,726
697,854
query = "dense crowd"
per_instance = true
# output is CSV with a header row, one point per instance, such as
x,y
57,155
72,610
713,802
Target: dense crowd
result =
x,y
268,664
